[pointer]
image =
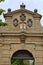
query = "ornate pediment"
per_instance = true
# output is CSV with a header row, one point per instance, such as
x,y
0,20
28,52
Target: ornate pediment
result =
x,y
23,20
22,8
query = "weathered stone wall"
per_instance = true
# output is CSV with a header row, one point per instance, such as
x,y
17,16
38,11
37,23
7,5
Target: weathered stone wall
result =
x,y
10,45
10,36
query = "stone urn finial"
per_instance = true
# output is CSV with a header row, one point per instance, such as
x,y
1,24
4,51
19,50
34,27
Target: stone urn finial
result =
x,y
22,6
9,10
35,10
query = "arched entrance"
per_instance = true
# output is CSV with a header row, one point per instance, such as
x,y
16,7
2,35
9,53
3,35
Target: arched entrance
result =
x,y
22,57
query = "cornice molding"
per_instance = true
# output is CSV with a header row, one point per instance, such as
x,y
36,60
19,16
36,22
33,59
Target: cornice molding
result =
x,y
21,33
35,15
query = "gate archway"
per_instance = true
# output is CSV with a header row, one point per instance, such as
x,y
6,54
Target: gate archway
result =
x,y
22,55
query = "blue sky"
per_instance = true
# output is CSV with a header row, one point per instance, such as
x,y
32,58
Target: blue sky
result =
x,y
30,5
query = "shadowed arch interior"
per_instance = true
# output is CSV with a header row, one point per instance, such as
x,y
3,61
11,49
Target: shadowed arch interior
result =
x,y
22,54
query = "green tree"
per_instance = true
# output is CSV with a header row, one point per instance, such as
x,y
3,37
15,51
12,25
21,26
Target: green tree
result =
x,y
20,62
33,63
1,11
17,62
1,0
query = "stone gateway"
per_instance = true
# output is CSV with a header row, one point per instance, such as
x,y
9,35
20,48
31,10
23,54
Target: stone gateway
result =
x,y
22,37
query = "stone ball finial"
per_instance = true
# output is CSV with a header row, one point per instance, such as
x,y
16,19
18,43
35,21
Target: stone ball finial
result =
x,y
35,10
9,10
22,6
22,3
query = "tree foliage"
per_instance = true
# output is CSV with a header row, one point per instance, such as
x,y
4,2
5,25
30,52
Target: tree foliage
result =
x,y
21,62
2,0
2,23
1,11
18,62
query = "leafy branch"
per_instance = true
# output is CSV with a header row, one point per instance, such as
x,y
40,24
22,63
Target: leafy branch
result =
x,y
2,23
1,11
2,0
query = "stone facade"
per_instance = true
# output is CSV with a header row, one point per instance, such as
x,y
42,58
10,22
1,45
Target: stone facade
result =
x,y
22,36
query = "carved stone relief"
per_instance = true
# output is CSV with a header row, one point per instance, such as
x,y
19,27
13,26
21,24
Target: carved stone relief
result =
x,y
22,38
22,17
29,22
15,22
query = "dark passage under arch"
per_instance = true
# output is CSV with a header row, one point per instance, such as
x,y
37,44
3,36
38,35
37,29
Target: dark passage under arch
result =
x,y
22,54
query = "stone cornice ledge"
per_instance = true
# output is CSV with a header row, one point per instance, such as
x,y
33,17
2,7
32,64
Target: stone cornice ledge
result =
x,y
21,33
